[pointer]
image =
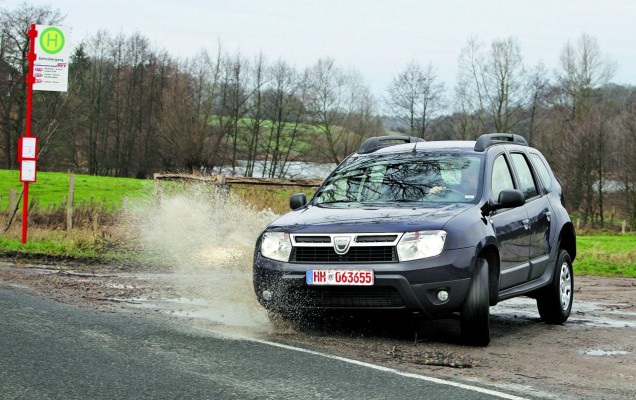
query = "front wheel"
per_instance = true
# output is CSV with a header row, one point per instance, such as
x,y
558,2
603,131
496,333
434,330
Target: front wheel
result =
x,y
555,301
475,312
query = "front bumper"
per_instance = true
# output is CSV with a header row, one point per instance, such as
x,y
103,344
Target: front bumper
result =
x,y
410,286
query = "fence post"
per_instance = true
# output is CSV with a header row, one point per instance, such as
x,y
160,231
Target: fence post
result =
x,y
158,191
69,205
623,226
11,200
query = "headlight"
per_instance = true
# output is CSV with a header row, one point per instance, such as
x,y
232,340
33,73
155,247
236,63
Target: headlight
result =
x,y
276,245
423,244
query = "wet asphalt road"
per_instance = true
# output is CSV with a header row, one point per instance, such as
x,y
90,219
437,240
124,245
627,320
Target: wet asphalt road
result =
x,y
50,350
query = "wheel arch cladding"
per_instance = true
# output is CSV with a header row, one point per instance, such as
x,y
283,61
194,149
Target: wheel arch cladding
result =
x,y
567,240
491,255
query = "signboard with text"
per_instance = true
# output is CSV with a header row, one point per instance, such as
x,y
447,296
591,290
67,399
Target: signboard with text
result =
x,y
27,156
50,68
28,171
27,148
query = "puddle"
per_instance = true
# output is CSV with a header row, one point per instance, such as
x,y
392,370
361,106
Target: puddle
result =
x,y
121,286
597,352
588,314
230,317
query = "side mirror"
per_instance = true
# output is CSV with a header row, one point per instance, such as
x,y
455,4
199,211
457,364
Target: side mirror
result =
x,y
297,200
509,198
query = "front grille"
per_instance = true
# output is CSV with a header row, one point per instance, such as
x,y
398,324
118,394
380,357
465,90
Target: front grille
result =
x,y
313,239
345,297
371,254
376,238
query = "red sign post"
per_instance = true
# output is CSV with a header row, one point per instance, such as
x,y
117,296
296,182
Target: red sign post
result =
x,y
51,52
27,146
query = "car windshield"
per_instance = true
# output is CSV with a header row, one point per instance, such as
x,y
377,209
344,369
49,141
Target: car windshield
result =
x,y
404,178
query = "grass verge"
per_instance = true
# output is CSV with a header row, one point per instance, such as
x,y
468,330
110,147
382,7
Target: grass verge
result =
x,y
77,247
600,255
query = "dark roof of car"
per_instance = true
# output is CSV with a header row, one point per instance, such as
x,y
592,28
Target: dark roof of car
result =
x,y
403,144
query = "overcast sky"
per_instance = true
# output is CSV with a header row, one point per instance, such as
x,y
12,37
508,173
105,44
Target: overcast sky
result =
x,y
376,37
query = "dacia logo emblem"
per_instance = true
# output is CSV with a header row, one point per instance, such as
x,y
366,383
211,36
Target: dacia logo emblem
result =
x,y
341,244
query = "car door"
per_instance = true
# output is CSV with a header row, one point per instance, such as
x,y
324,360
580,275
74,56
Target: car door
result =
x,y
511,228
539,214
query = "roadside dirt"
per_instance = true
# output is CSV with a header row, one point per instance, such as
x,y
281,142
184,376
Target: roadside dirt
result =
x,y
591,356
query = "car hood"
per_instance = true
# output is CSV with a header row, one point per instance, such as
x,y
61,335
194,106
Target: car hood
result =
x,y
327,219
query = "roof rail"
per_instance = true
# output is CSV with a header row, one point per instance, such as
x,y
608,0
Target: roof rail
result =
x,y
375,143
490,139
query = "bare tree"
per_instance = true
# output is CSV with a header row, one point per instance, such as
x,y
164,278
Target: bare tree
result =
x,y
97,101
234,105
491,86
583,72
358,123
583,69
138,55
158,68
538,88
469,95
415,97
256,112
284,108
364,121
188,136
332,95
627,158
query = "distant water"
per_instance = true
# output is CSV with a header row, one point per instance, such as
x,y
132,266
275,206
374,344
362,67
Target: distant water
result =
x,y
294,169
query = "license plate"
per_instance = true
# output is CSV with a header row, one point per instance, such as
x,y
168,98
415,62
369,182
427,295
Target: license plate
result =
x,y
348,277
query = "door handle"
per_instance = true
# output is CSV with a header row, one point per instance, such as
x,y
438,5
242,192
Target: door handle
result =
x,y
526,224
548,215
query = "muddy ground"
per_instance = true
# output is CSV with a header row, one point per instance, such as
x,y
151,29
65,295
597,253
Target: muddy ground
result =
x,y
591,356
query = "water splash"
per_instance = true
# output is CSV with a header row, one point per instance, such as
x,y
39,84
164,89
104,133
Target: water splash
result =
x,y
207,237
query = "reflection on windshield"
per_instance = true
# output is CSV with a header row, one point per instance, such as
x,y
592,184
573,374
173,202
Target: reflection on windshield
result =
x,y
404,178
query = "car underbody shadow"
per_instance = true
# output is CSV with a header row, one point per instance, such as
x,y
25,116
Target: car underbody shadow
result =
x,y
382,325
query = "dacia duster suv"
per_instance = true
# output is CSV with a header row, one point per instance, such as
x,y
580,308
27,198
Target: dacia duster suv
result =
x,y
432,228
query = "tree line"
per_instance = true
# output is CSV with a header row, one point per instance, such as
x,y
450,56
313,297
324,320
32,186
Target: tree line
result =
x,y
132,110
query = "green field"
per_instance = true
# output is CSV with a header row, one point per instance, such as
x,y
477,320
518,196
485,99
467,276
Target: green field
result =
x,y
606,255
51,189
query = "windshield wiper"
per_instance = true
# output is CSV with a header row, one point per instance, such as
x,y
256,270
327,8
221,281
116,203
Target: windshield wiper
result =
x,y
403,201
335,202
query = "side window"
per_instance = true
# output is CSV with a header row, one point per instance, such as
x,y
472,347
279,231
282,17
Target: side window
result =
x,y
526,181
541,168
501,177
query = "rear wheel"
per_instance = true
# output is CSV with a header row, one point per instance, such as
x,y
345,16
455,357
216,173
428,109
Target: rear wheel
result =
x,y
475,312
555,301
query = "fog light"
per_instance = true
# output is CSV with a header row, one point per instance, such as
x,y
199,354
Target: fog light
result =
x,y
267,295
442,295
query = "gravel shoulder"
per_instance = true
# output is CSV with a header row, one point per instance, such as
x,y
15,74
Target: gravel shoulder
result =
x,y
591,356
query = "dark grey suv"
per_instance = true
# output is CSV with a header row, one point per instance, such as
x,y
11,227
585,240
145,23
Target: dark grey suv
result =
x,y
431,228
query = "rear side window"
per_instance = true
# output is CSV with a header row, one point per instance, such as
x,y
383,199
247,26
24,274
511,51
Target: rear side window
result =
x,y
501,177
526,181
541,168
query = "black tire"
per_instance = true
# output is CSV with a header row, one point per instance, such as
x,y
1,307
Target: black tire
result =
x,y
475,312
555,301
